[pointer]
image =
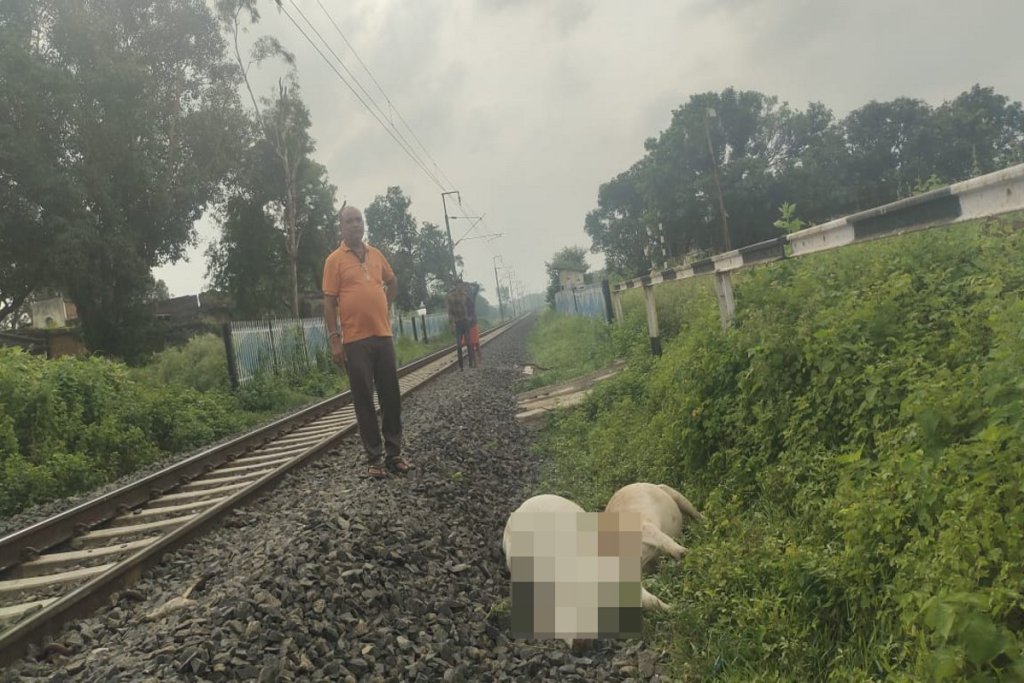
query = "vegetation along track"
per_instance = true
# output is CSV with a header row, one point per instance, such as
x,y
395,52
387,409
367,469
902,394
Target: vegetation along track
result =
x,y
65,566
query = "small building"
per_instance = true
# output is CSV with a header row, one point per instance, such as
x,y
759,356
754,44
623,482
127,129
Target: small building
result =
x,y
568,279
52,343
55,312
209,307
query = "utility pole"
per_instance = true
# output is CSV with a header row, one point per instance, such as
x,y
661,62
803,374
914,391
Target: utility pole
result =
x,y
448,227
710,113
511,296
497,288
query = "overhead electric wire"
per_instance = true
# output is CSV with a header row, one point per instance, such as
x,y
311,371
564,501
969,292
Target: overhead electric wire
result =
x,y
370,97
407,150
393,130
387,99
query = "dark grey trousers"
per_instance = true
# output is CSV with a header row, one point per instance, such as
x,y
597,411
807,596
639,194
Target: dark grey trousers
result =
x,y
462,337
371,363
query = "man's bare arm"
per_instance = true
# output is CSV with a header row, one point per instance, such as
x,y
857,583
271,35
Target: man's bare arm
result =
x,y
392,290
331,313
333,334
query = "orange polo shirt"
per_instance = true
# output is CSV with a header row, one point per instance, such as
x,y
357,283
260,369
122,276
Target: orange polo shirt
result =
x,y
359,286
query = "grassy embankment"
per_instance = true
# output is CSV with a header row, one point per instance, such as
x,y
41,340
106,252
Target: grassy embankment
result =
x,y
857,444
566,347
71,424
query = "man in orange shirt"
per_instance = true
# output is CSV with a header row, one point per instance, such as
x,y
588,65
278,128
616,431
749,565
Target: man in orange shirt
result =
x,y
360,285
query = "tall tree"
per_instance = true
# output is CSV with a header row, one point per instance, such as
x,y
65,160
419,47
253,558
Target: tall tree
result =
x,y
743,135
767,155
434,259
392,229
818,176
618,226
134,114
251,259
38,188
892,146
978,132
283,121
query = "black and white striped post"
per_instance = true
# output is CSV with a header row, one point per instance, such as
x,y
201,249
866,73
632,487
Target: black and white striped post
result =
x,y
726,301
617,305
652,320
656,249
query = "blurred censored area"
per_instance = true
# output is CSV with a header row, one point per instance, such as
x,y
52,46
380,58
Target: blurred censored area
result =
x,y
575,575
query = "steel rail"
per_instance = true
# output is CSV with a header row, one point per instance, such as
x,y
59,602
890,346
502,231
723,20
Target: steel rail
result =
x,y
25,549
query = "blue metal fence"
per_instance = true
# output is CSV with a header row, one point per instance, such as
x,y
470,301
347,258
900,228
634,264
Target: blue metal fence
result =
x,y
587,300
300,344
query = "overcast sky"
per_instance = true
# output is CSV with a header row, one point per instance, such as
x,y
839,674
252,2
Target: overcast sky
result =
x,y
527,106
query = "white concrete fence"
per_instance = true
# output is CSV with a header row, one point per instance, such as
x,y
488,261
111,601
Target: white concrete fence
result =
x,y
985,196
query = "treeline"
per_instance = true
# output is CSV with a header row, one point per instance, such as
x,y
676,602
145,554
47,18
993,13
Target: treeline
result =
x,y
768,155
122,124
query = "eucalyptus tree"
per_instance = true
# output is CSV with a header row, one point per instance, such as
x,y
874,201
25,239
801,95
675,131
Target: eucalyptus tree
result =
x,y
283,122
250,258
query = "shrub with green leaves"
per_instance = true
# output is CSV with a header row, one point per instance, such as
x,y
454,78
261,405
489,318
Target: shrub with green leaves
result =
x,y
200,364
69,424
856,443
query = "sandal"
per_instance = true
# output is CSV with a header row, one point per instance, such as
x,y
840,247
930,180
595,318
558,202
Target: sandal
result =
x,y
400,465
376,472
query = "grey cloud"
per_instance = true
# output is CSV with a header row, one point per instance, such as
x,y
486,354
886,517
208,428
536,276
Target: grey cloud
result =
x,y
566,15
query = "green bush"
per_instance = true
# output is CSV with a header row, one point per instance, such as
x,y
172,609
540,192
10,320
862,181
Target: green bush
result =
x,y
856,443
200,364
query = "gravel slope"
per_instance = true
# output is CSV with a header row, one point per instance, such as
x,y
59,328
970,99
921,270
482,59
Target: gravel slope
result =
x,y
335,577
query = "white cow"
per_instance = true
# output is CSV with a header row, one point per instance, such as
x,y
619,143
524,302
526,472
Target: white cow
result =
x,y
662,510
548,503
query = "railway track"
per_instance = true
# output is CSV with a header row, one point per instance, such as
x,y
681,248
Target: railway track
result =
x,y
64,567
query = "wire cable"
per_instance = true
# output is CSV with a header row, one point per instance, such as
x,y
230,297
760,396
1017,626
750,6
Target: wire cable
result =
x,y
382,118
387,99
355,79
408,151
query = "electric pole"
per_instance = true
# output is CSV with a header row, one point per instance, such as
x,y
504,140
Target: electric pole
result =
x,y
497,288
710,113
448,227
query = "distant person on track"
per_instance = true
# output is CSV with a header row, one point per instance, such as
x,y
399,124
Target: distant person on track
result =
x,y
459,320
472,289
360,285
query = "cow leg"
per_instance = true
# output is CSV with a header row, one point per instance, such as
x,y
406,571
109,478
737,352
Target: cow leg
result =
x,y
651,602
658,539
